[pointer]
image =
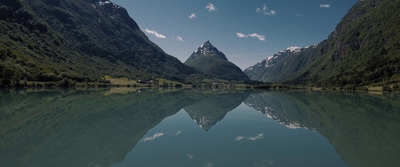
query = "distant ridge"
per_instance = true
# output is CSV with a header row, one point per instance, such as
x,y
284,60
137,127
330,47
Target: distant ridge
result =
x,y
280,66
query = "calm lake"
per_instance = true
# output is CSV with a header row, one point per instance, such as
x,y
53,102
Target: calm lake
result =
x,y
198,128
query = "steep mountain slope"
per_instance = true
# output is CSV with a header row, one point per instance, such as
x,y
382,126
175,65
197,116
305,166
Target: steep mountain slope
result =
x,y
363,50
212,62
82,40
281,65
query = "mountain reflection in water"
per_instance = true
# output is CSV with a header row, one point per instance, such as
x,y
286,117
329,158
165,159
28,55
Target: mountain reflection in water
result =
x,y
96,128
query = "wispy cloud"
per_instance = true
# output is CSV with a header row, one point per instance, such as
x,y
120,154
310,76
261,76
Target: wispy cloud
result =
x,y
155,136
254,138
266,11
298,15
260,37
210,7
241,35
179,38
324,5
192,16
155,33
180,131
253,35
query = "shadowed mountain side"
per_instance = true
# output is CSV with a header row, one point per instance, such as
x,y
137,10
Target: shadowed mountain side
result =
x,y
345,119
78,128
214,106
363,50
80,40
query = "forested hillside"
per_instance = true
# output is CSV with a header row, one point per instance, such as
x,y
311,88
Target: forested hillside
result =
x,y
77,41
363,50
213,63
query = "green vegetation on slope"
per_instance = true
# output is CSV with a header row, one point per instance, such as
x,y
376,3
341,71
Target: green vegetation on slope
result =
x,y
218,68
364,49
283,64
77,40
214,64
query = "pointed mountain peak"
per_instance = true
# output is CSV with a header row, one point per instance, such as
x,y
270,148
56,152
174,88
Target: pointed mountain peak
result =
x,y
207,44
207,49
209,60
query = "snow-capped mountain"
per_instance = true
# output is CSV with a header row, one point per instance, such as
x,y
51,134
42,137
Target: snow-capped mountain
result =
x,y
210,61
207,49
274,68
104,3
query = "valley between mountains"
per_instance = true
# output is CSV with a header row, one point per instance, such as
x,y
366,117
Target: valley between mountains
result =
x,y
67,43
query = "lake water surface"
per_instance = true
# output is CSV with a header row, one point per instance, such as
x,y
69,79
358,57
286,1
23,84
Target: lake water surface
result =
x,y
198,128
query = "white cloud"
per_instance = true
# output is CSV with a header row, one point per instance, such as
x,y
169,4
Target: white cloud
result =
x,y
260,37
253,35
192,16
241,35
324,5
298,15
258,137
179,38
157,135
266,11
210,7
155,33
178,133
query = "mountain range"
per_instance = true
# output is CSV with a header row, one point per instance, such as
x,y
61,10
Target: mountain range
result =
x,y
280,66
87,40
363,50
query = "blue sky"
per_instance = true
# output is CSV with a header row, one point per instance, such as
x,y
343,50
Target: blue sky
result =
x,y
245,31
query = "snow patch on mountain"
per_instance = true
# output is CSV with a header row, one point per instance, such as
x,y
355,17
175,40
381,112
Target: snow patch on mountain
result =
x,y
207,49
272,60
105,3
294,49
